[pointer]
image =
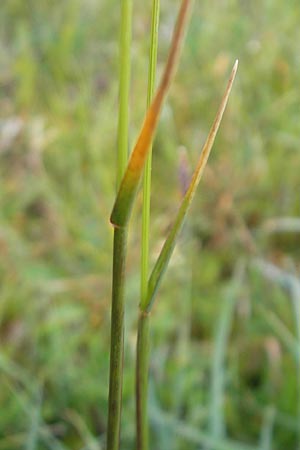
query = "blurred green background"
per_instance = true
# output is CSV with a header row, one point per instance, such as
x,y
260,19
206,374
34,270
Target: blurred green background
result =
x,y
226,327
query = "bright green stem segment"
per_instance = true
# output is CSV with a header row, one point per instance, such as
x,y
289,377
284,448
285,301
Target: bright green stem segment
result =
x,y
124,84
147,172
117,341
142,370
120,239
143,338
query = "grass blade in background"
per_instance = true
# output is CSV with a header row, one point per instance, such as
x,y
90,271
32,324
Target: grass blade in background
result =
x,y
129,185
166,252
124,87
143,337
119,245
291,283
32,441
266,436
192,434
296,304
223,327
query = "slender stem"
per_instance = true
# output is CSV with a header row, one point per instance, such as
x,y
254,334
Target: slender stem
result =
x,y
124,84
142,370
143,338
120,240
147,172
117,341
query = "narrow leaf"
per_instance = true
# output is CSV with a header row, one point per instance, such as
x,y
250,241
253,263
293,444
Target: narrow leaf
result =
x,y
166,252
129,185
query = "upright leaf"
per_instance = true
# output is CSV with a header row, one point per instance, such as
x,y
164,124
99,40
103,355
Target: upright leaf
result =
x,y
166,252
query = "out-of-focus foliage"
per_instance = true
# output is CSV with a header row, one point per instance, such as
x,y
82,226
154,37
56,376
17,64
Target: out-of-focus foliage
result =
x,y
226,333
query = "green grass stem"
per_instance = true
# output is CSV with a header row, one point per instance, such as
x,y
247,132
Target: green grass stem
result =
x,y
117,341
119,245
143,339
124,85
147,171
142,373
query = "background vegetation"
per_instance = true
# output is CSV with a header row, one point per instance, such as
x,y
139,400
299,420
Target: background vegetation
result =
x,y
226,328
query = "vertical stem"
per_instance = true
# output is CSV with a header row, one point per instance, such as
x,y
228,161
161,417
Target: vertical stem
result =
x,y
143,338
295,291
142,370
124,84
147,172
117,341
120,239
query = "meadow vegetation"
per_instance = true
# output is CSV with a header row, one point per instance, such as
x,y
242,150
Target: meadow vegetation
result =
x,y
225,333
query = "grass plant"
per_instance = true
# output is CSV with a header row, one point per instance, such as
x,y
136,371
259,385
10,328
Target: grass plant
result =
x,y
58,96
119,218
121,211
158,271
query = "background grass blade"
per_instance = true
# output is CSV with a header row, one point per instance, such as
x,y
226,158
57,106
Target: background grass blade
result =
x,y
124,201
194,435
290,283
218,371
166,252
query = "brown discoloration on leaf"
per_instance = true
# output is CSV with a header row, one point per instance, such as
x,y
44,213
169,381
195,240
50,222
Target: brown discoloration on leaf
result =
x,y
129,184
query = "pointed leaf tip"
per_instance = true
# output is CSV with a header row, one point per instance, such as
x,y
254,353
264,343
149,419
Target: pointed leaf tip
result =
x,y
168,247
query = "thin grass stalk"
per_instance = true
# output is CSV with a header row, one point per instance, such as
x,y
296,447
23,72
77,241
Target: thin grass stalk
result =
x,y
143,338
116,340
142,374
119,245
124,85
148,165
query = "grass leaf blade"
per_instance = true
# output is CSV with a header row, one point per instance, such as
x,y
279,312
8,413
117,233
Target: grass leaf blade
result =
x,y
129,185
166,252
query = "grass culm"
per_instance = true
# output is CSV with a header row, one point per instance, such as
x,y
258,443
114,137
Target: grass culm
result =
x,y
140,158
